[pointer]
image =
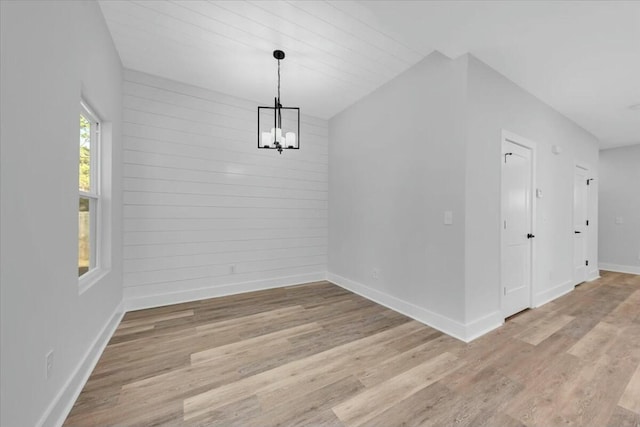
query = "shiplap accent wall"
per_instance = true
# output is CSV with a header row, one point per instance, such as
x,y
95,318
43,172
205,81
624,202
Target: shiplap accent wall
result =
x,y
200,200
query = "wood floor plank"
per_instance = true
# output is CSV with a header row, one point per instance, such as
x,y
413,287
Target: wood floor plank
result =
x,y
185,382
536,358
252,320
234,414
623,418
536,334
478,361
418,338
319,355
484,394
477,403
631,397
255,345
626,312
137,370
595,342
132,330
530,316
306,368
318,376
301,408
396,365
426,407
374,400
595,392
156,319
500,419
547,392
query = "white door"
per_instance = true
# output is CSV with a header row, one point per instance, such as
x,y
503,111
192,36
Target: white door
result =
x,y
580,203
517,237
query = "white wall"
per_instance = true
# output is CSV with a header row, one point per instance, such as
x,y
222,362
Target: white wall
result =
x,y
396,163
199,197
619,244
496,103
430,141
52,53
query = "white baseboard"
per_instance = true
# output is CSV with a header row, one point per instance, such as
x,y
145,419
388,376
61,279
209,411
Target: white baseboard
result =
x,y
477,328
157,299
549,295
629,269
61,405
593,275
437,321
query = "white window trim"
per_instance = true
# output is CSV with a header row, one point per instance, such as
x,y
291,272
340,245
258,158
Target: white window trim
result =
x,y
96,273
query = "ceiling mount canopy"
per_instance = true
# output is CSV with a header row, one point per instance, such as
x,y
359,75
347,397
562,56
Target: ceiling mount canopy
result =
x,y
278,126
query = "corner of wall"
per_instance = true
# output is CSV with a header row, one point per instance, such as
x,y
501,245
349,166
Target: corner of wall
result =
x,y
435,320
465,332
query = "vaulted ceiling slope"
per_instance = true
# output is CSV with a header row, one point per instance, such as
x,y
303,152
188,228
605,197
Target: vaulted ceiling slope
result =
x,y
582,58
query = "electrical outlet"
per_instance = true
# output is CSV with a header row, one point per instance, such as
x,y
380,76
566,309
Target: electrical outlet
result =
x,y
375,274
49,363
232,268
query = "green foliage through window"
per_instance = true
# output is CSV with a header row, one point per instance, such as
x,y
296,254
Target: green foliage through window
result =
x,y
85,154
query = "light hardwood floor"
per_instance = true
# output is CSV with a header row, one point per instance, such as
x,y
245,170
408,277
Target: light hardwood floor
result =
x,y
319,355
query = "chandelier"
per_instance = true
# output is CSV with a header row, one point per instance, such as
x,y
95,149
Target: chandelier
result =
x,y
278,126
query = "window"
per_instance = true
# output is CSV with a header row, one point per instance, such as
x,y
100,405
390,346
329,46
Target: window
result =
x,y
89,191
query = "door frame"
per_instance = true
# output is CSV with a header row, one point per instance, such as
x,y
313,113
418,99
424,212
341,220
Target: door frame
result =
x,y
587,168
508,136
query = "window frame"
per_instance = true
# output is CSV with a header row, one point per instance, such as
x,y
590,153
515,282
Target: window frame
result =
x,y
95,271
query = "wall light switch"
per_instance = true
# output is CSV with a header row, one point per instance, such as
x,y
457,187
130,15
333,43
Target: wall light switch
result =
x,y
448,217
539,193
619,220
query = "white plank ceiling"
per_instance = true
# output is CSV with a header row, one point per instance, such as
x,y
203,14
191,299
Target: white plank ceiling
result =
x,y
582,58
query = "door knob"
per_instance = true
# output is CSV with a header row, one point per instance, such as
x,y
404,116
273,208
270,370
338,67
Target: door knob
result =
x,y
530,236
577,232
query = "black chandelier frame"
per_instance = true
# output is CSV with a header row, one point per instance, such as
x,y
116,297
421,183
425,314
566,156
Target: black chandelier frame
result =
x,y
277,115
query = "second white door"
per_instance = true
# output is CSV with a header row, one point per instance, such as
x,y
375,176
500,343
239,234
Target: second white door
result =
x,y
580,198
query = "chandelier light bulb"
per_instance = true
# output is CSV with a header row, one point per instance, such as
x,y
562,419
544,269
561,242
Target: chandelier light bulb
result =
x,y
276,135
266,139
290,137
